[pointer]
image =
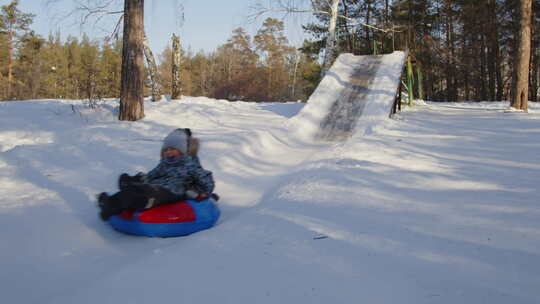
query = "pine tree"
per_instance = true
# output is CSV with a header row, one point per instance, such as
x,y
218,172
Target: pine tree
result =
x,y
53,67
520,95
203,74
14,24
308,71
165,69
72,51
3,66
272,45
534,86
27,70
132,84
237,63
110,65
89,69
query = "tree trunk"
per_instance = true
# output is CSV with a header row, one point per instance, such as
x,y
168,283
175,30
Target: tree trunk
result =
x,y
420,82
410,81
484,85
176,88
331,41
466,86
494,49
350,47
152,71
498,72
521,91
386,14
132,85
10,62
368,17
535,66
450,69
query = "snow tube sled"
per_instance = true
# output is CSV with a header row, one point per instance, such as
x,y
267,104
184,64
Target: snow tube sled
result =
x,y
175,219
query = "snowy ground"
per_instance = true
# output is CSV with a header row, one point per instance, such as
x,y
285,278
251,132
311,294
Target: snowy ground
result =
x,y
440,205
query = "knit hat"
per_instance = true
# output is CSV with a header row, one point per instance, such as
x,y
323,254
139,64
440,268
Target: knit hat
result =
x,y
177,139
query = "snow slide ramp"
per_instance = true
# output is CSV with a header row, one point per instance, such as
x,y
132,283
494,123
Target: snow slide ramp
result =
x,y
355,87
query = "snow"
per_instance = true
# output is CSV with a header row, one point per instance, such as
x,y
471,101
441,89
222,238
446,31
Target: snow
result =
x,y
335,85
438,205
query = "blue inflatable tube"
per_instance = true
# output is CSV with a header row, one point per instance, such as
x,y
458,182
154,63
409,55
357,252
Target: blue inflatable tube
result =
x,y
175,219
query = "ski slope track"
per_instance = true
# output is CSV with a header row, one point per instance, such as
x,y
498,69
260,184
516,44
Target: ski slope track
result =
x,y
356,92
430,207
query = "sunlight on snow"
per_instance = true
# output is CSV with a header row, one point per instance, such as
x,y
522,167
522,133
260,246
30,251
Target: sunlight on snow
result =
x,y
334,231
453,261
12,139
24,194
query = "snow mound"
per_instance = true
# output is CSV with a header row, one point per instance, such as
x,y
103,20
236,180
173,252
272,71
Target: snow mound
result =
x,y
336,83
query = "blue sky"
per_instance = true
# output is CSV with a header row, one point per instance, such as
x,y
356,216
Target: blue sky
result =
x,y
207,23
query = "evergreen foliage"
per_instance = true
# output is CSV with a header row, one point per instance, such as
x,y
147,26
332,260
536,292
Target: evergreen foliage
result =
x,y
466,51
259,68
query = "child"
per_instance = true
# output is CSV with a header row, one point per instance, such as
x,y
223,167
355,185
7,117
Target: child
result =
x,y
177,177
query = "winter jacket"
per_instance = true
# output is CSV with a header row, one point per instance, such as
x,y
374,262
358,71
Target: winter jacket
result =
x,y
181,176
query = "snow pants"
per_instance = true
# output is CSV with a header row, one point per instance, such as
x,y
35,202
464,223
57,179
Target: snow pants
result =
x,y
134,194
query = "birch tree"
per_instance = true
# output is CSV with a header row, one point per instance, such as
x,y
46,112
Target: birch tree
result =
x,y
175,77
328,8
331,42
152,71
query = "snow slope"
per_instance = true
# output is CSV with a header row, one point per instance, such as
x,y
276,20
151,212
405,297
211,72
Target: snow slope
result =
x,y
440,205
355,86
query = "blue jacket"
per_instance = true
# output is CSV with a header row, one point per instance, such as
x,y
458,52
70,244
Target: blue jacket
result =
x,y
180,176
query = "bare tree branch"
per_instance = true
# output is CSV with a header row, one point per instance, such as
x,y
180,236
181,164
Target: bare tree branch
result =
x,y
290,7
116,29
88,12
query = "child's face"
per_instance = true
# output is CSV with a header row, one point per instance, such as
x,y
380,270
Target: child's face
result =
x,y
171,153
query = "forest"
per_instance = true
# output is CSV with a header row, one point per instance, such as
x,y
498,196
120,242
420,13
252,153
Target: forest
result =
x,y
459,50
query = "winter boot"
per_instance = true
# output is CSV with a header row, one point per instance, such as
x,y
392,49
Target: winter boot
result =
x,y
105,206
126,181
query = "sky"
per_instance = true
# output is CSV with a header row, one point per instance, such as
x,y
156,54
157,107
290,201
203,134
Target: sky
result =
x,y
206,24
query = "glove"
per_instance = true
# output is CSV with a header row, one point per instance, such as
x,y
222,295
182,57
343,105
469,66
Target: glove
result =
x,y
192,194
